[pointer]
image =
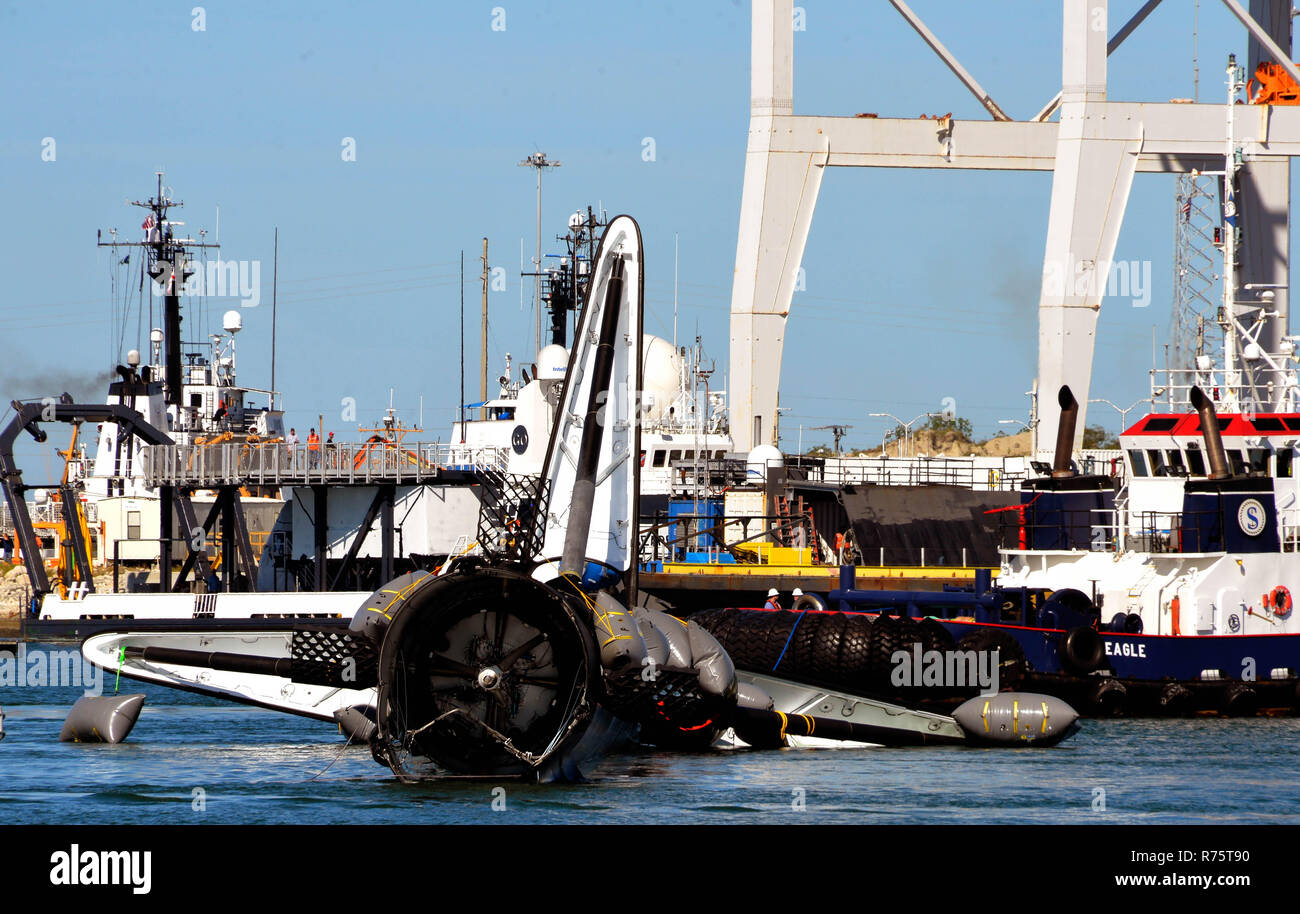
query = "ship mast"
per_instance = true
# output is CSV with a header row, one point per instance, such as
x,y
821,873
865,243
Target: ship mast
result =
x,y
1231,352
167,266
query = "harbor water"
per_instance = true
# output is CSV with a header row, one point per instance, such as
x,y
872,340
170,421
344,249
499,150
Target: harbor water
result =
x,y
196,760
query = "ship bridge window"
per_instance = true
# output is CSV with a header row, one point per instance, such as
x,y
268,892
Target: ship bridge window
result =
x,y
1237,461
1284,461
1259,461
1138,463
1195,461
1176,467
690,455
1158,467
1269,424
659,458
674,456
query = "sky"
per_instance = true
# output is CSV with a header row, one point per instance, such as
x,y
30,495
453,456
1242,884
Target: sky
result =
x,y
920,286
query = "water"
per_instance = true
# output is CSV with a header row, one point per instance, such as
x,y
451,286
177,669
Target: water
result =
x,y
260,767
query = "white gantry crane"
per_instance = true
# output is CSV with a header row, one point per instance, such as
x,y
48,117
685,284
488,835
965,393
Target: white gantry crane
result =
x,y
1093,149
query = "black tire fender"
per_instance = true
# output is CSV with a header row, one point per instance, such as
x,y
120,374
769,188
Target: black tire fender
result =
x,y
1082,651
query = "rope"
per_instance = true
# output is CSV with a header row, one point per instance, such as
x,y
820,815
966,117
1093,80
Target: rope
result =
x,y
338,756
788,640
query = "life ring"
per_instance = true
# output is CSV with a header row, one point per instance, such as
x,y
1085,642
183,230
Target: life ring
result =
x,y
1280,600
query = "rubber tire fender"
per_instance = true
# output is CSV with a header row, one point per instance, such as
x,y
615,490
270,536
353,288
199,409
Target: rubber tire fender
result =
x,y
1082,651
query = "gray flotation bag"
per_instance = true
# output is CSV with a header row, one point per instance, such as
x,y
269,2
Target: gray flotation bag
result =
x,y
357,723
1016,718
101,719
749,695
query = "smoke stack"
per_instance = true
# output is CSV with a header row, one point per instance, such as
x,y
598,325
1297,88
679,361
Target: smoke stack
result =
x,y
1210,435
1065,433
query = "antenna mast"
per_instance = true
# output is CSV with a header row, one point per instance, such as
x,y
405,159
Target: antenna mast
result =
x,y
168,267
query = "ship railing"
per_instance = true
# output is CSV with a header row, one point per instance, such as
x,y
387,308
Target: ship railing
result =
x,y
1090,529
966,472
1109,529
689,537
47,512
711,539
1171,388
275,464
706,471
1288,529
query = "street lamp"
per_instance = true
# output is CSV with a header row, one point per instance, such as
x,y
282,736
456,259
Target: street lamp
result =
x,y
1023,425
906,426
539,161
1123,412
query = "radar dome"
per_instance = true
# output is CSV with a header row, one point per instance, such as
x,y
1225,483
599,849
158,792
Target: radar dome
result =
x,y
759,459
233,321
552,363
661,368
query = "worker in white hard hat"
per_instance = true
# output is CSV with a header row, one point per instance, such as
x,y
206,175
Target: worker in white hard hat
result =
x,y
773,599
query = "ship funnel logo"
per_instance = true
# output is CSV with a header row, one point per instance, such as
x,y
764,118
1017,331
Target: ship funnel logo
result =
x,y
1251,517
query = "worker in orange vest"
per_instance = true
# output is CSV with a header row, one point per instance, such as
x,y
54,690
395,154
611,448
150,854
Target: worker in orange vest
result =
x,y
313,449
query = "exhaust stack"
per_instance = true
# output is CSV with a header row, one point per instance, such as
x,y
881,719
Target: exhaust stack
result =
x,y
1210,435
1065,433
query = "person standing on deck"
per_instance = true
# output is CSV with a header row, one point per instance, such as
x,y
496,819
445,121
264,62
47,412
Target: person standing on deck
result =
x,y
291,444
773,600
313,449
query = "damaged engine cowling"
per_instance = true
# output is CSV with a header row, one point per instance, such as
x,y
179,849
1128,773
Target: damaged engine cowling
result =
x,y
488,672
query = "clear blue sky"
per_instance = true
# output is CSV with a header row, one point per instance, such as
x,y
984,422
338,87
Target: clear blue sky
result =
x,y
920,286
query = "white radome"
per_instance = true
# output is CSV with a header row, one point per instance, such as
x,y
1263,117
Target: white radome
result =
x,y
661,373
760,458
552,363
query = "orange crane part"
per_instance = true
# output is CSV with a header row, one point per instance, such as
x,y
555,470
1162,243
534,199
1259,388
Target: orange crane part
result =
x,y
1275,86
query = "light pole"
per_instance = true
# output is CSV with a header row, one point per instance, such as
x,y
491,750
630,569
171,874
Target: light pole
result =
x,y
1123,412
906,426
539,161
